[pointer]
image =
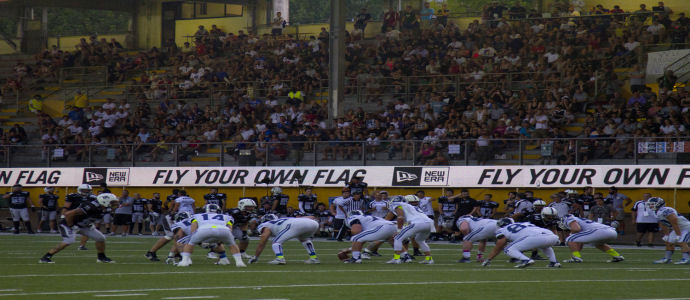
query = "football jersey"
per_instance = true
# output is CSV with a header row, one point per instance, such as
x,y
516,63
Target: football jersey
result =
x,y
537,219
217,199
283,224
139,205
663,213
585,224
448,207
476,223
523,207
367,222
49,201
156,205
413,214
307,203
380,208
357,187
240,217
212,220
339,201
324,216
18,199
186,204
562,208
92,213
516,231
184,225
282,203
425,205
486,207
73,200
169,201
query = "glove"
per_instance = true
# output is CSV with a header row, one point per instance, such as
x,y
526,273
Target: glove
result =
x,y
486,263
253,259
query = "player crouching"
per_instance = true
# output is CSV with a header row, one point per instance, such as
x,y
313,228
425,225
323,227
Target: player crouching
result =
x,y
676,229
418,227
475,230
583,231
365,229
211,226
80,221
284,229
523,237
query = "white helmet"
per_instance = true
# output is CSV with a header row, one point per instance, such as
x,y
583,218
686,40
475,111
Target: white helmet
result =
x,y
48,189
570,191
411,198
276,190
549,213
106,199
244,203
212,208
84,189
539,203
615,224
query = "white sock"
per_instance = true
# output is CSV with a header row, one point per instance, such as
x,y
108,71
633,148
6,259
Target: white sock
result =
x,y
356,254
237,257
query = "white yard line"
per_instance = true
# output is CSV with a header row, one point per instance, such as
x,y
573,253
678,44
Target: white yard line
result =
x,y
320,285
192,297
120,295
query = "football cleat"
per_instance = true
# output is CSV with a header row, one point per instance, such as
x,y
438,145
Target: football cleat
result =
x,y
407,258
105,260
212,255
663,261
240,264
277,261
246,256
683,261
365,256
394,261
464,260
427,262
573,260
371,253
82,248
616,259
184,263
553,265
525,263
223,261
170,260
152,256
312,261
537,257
45,260
352,261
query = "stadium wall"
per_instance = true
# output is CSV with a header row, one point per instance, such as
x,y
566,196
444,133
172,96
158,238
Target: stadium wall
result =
x,y
666,181
676,5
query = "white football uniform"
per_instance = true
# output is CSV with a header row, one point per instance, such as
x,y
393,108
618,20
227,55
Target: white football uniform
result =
x,y
285,229
526,236
186,204
662,215
340,201
380,208
186,227
590,231
373,228
480,229
425,205
419,225
212,228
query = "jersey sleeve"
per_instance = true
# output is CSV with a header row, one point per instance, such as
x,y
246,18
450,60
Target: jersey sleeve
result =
x,y
222,196
500,233
88,208
634,208
665,212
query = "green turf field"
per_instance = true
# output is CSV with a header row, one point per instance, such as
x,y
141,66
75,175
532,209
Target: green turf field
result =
x,y
76,275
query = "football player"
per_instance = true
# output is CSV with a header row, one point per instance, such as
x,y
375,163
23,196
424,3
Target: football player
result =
x,y
19,208
447,205
419,227
211,227
279,201
379,207
80,221
518,237
366,229
183,203
338,211
523,207
487,207
170,201
425,203
155,208
139,210
171,228
72,201
307,202
243,215
475,230
584,231
48,208
285,229
214,197
676,230
325,219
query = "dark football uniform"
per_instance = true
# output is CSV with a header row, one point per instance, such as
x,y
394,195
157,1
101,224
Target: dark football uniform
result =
x,y
216,198
538,220
72,201
241,218
18,199
282,203
486,207
307,204
49,201
358,187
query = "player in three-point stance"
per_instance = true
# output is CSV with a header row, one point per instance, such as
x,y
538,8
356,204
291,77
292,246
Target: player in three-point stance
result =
x,y
366,229
514,238
676,230
419,227
583,231
284,229
475,230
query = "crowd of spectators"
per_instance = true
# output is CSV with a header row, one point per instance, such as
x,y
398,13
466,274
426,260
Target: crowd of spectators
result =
x,y
506,75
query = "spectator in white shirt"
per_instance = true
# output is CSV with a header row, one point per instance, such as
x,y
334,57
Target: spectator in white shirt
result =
x,y
75,130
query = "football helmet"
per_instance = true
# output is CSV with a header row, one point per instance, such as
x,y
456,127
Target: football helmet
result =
x,y
106,199
268,217
181,216
48,189
276,190
411,198
655,203
398,198
615,224
212,208
355,213
246,203
549,213
539,203
503,222
84,189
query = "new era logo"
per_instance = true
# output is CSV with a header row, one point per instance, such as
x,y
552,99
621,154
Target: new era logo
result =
x,y
404,176
91,176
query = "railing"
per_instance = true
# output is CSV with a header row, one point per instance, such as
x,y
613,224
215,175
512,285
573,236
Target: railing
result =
x,y
681,68
83,76
517,151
